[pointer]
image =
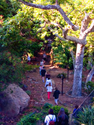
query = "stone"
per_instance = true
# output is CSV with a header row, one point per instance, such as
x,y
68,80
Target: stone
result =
x,y
16,100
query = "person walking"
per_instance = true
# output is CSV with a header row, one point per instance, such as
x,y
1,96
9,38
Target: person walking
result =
x,y
76,111
42,62
43,71
44,56
48,80
56,95
40,68
62,118
49,90
50,118
47,76
28,59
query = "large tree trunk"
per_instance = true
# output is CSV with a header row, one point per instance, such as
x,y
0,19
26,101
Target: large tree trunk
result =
x,y
78,71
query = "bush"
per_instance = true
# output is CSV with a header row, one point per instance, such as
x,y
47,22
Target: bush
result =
x,y
32,119
90,86
29,119
86,117
57,108
47,106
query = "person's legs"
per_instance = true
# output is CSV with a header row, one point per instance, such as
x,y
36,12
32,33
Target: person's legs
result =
x,y
49,93
56,101
40,73
42,78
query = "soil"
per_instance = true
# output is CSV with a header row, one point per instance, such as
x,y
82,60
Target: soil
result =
x,y
37,88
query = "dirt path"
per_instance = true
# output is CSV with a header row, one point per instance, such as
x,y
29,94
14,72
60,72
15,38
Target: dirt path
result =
x,y
38,90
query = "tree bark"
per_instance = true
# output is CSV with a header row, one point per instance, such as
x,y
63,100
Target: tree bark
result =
x,y
90,75
77,83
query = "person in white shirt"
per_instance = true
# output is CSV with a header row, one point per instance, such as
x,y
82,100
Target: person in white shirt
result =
x,y
28,58
49,117
42,62
48,80
49,90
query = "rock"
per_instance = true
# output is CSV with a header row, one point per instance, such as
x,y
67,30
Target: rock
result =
x,y
16,100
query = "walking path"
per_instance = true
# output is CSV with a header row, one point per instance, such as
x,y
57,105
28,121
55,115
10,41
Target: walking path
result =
x,y
38,90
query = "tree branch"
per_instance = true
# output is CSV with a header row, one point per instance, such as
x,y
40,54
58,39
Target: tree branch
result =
x,y
72,38
90,75
48,7
90,29
85,22
56,24
87,31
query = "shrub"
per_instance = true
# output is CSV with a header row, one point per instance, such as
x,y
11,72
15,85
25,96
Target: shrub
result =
x,y
47,106
32,118
90,86
57,108
29,119
86,117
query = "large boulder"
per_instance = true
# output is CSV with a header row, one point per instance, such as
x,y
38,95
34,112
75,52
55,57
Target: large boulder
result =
x,y
14,99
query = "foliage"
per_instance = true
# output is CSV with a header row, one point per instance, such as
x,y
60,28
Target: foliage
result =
x,y
32,118
90,86
86,116
93,99
14,42
30,67
8,8
29,119
47,106
11,69
57,108
62,56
